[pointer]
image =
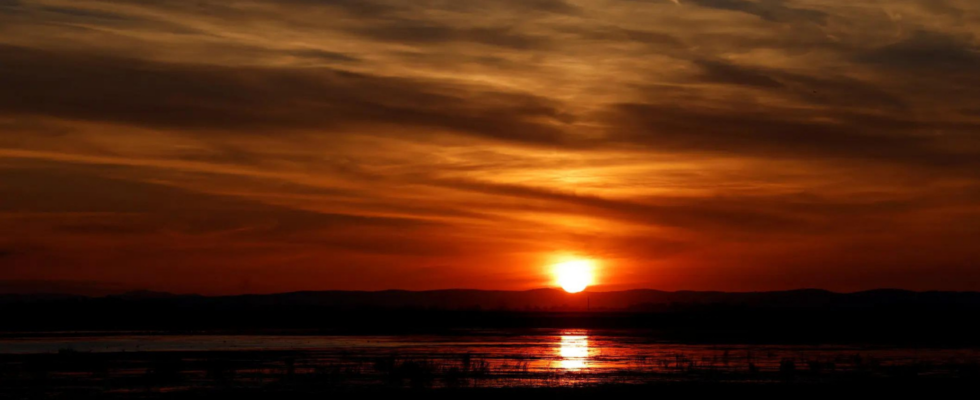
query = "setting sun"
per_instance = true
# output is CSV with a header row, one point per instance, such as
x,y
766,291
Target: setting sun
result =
x,y
574,275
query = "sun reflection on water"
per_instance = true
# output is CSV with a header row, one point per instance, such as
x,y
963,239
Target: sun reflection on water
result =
x,y
574,352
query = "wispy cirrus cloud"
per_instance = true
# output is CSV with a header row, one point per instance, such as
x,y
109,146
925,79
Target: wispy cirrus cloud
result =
x,y
310,144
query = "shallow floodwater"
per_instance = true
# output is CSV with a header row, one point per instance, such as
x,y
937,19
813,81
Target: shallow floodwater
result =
x,y
544,351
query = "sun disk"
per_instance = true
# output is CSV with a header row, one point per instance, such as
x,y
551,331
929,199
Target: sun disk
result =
x,y
574,275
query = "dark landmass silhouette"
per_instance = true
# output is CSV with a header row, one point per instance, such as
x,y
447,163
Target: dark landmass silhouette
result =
x,y
890,319
811,316
538,299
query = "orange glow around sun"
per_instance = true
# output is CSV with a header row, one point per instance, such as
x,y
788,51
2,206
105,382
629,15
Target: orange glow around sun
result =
x,y
574,275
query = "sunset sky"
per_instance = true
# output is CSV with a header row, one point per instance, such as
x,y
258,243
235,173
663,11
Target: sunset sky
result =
x,y
222,147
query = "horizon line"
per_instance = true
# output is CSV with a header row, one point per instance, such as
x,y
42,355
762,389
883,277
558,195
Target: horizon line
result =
x,y
555,289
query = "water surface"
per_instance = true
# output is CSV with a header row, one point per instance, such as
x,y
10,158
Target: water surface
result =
x,y
559,350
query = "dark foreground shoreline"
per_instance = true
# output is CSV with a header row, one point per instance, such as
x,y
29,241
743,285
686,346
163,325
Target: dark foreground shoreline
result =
x,y
311,374
928,388
882,388
914,322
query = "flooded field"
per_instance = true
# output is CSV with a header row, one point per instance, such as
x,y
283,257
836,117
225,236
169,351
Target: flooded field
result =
x,y
478,359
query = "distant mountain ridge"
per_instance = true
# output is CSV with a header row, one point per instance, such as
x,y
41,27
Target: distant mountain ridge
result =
x,y
630,299
539,299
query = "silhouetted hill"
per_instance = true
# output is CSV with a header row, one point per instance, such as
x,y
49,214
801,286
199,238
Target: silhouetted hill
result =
x,y
539,299
813,316
15,298
551,299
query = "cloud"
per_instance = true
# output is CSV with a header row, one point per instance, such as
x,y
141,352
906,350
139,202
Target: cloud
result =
x,y
924,50
147,207
721,72
381,9
519,6
323,55
829,90
184,96
425,33
769,10
728,214
345,143
771,132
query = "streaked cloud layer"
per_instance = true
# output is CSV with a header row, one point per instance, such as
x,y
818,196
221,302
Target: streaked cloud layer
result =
x,y
260,146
